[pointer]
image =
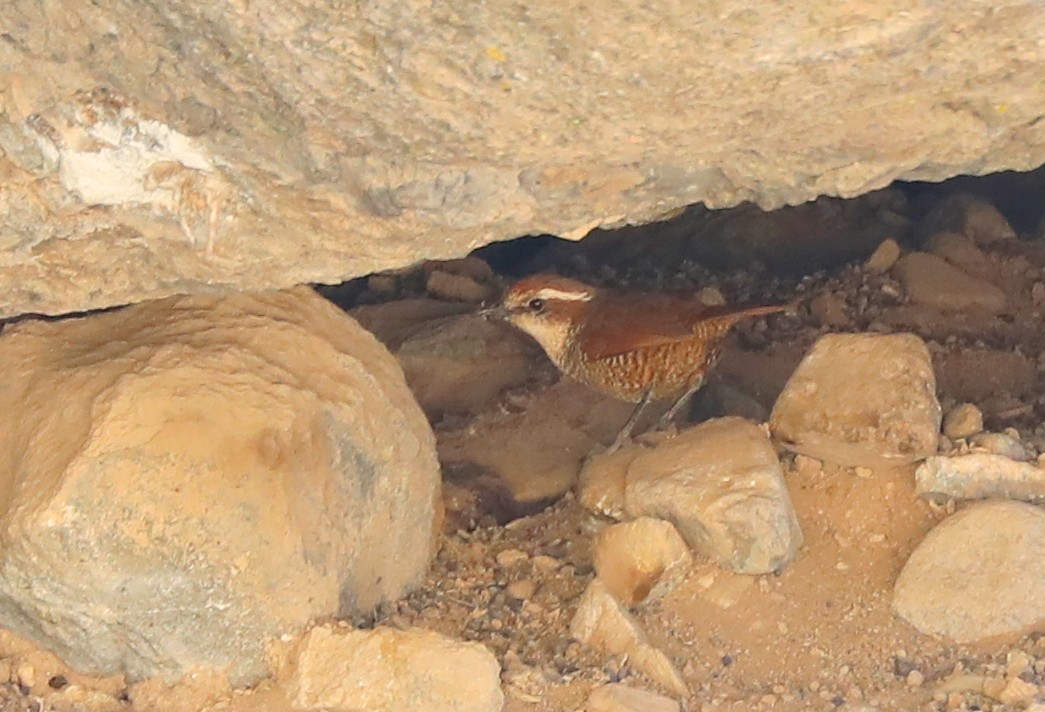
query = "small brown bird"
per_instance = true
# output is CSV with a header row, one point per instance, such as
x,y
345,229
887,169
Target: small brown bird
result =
x,y
635,347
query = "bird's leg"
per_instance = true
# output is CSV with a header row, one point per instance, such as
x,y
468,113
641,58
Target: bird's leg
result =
x,y
669,417
628,426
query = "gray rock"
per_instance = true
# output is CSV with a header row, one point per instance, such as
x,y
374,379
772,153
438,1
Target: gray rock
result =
x,y
980,573
721,485
980,476
861,400
189,478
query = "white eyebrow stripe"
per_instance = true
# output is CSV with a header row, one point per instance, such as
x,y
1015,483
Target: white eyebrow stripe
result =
x,y
552,293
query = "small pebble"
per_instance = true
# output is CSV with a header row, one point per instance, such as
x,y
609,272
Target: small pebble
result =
x,y
26,675
545,563
521,590
884,257
963,421
511,557
915,678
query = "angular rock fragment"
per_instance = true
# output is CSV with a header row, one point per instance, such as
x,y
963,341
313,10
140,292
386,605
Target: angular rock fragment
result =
x,y
387,670
633,557
933,282
721,485
980,476
618,697
980,573
861,400
191,477
603,623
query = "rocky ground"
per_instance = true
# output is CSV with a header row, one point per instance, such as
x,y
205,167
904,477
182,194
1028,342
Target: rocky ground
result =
x,y
788,591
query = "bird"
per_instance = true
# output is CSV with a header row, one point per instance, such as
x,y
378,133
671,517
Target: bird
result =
x,y
635,347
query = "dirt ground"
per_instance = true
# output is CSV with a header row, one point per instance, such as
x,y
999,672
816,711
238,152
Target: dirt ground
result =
x,y
821,635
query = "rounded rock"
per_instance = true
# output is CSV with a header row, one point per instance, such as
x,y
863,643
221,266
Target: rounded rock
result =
x,y
978,574
191,477
963,421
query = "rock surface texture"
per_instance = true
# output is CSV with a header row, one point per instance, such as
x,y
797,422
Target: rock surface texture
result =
x,y
388,670
721,485
161,147
978,574
861,400
190,477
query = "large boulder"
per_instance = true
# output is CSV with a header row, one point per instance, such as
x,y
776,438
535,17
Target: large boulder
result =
x,y
182,480
152,148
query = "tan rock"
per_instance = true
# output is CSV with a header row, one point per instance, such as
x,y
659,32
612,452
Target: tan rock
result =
x,y
197,690
1018,692
253,462
970,216
387,670
979,573
337,158
958,249
861,400
721,485
603,623
932,281
963,421
633,557
829,310
618,697
568,420
980,476
458,287
463,364
884,257
1000,444
602,480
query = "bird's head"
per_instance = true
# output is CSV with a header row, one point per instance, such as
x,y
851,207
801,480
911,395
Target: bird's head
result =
x,y
546,307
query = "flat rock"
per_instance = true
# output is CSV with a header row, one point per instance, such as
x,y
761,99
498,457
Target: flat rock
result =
x,y
934,282
388,670
602,622
634,557
861,400
980,476
980,573
721,485
617,697
252,462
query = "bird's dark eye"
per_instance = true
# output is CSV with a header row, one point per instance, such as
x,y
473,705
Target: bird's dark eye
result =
x,y
535,305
